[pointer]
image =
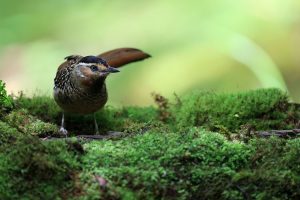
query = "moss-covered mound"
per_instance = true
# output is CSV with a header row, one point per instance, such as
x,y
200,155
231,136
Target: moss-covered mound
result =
x,y
194,165
175,151
31,169
6,102
261,109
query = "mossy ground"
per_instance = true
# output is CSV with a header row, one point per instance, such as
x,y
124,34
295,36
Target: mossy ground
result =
x,y
191,148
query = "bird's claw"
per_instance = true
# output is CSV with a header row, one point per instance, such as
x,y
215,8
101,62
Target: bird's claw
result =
x,y
63,131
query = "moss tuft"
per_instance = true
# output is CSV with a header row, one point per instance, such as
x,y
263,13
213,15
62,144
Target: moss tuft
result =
x,y
6,101
8,134
43,107
138,114
34,170
29,124
261,109
273,171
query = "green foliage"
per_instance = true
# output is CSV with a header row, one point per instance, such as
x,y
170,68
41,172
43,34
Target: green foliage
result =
x,y
6,102
260,109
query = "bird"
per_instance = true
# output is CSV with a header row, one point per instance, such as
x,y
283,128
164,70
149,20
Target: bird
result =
x,y
79,84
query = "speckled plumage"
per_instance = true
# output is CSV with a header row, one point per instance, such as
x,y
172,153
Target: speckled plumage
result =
x,y
79,85
74,98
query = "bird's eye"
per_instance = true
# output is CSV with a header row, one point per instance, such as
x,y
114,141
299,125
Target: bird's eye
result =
x,y
94,68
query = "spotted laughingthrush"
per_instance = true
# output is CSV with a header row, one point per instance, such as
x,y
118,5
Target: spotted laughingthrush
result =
x,y
79,85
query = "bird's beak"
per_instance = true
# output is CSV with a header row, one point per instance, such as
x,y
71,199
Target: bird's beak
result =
x,y
112,70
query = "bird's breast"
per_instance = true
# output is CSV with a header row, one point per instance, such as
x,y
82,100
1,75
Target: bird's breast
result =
x,y
79,100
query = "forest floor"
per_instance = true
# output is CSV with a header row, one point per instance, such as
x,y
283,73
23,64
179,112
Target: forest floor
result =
x,y
203,145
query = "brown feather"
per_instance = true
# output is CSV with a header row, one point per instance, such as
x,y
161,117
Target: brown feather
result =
x,y
122,56
69,61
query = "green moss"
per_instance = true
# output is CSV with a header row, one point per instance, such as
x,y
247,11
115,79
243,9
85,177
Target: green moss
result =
x,y
261,109
43,107
138,114
169,165
180,157
29,124
8,134
194,165
6,102
109,118
34,170
135,128
273,172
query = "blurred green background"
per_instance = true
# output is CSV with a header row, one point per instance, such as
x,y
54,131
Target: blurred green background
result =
x,y
223,45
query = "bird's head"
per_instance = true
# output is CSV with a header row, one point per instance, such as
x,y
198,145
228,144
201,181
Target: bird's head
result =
x,y
91,69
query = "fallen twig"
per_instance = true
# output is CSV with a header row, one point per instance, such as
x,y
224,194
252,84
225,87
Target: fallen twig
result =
x,y
280,133
109,135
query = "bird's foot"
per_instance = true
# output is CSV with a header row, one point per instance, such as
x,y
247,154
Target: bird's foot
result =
x,y
63,131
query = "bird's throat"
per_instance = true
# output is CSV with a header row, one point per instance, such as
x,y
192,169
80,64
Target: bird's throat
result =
x,y
98,84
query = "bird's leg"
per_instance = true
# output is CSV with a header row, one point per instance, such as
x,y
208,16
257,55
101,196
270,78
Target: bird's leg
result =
x,y
96,125
62,129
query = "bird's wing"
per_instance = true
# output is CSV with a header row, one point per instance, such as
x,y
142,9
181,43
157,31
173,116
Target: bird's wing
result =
x,y
122,56
69,61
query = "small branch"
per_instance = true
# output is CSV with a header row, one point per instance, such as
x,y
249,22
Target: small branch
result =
x,y
280,133
109,135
